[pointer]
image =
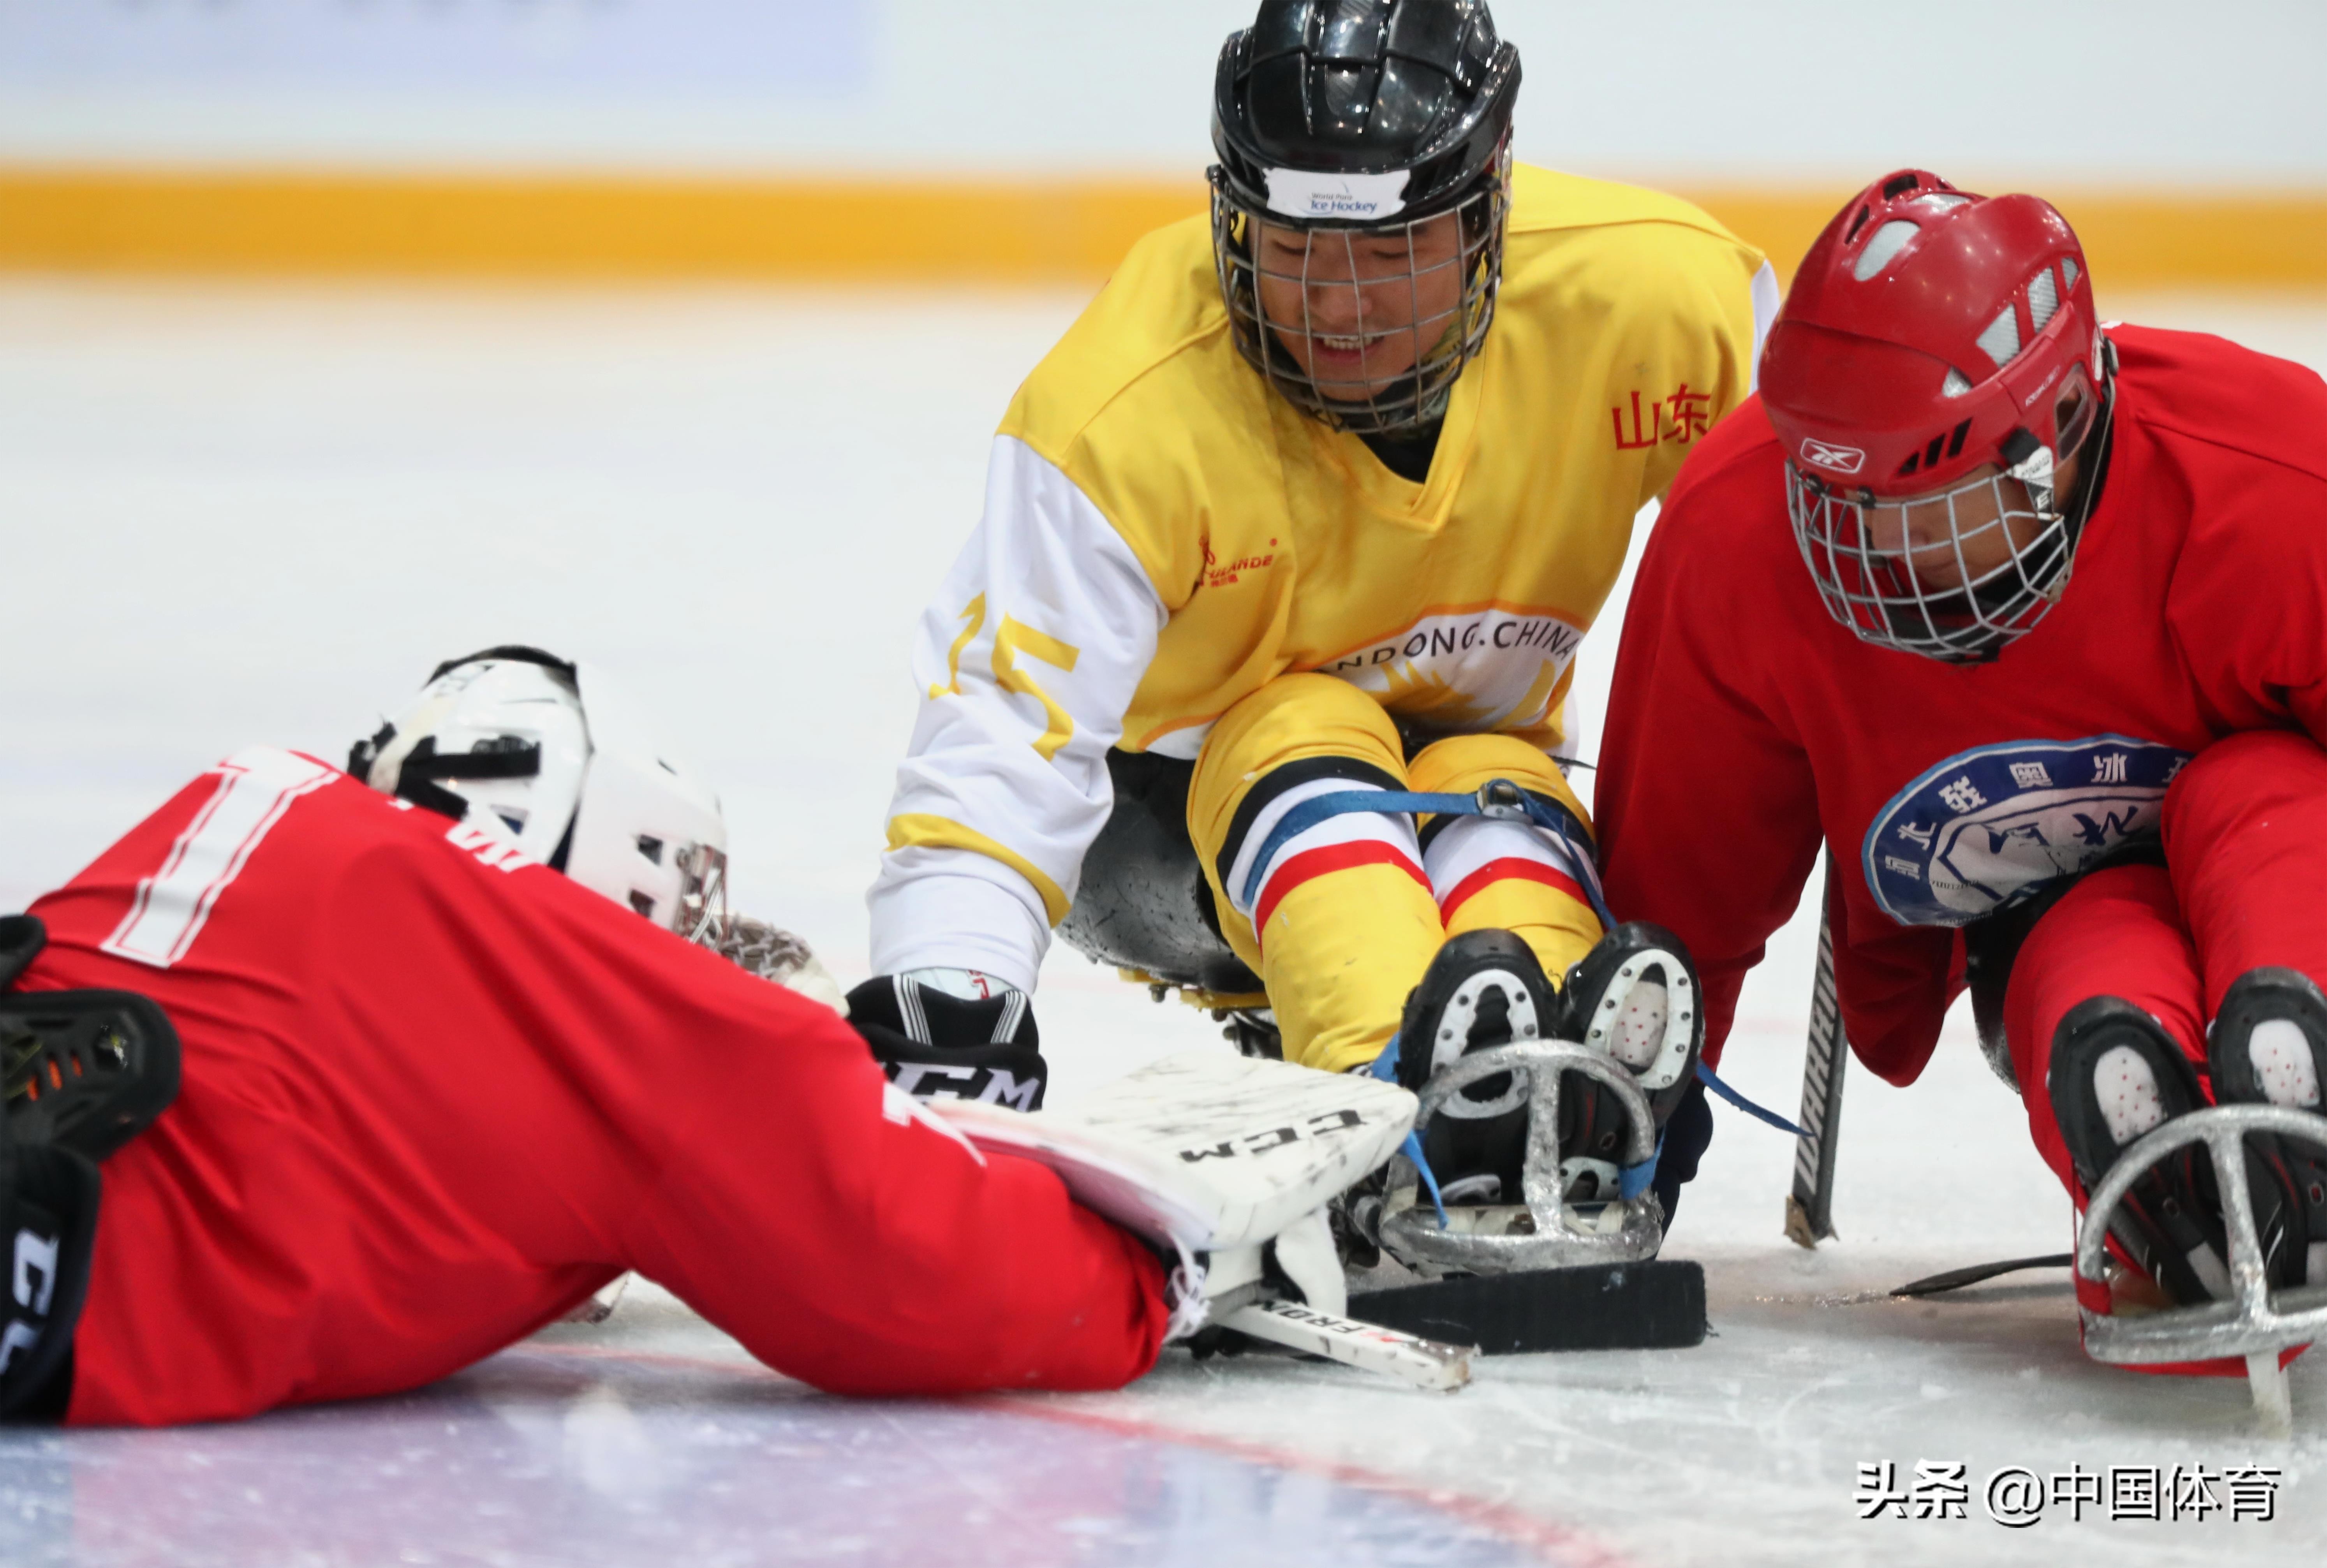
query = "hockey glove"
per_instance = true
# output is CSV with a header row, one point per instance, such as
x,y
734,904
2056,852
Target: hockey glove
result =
x,y
48,1225
953,1034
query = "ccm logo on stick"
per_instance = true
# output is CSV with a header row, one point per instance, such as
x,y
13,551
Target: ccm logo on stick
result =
x,y
1276,1137
1841,459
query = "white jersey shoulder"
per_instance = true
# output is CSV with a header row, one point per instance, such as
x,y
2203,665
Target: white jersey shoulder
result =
x,y
1027,661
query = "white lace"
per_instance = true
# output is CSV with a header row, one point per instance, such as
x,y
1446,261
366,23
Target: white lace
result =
x,y
1184,1290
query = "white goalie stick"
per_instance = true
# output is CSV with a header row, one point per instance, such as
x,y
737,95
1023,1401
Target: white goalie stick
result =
x,y
1370,1346
1809,1206
1216,1158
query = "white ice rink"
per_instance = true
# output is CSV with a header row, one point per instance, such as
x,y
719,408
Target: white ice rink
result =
x,y
240,513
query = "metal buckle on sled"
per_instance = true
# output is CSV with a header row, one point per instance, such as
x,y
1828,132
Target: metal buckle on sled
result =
x,y
2260,1322
1502,799
1545,1232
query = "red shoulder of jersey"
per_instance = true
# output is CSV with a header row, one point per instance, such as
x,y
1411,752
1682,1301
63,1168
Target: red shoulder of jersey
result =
x,y
1724,536
2200,387
1740,457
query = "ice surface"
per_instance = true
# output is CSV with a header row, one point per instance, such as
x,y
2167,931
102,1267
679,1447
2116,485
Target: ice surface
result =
x,y
240,513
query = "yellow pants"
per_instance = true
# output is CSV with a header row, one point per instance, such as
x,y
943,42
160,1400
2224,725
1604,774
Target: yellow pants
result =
x,y
1343,937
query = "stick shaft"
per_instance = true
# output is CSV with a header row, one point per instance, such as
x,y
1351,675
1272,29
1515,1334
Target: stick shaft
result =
x,y
1809,1207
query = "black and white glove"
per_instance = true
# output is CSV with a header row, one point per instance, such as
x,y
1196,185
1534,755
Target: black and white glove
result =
x,y
953,1034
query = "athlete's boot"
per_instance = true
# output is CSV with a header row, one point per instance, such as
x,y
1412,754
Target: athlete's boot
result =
x,y
1635,996
2267,1047
1485,989
2115,1075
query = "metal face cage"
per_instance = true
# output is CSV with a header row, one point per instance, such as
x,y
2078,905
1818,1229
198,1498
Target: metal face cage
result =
x,y
1855,547
1409,323
702,892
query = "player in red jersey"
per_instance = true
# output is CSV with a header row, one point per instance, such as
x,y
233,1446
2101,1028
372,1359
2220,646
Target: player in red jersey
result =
x,y
435,1094
376,1092
2101,796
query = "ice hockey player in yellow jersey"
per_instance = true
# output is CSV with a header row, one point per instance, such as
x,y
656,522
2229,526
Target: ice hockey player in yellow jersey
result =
x,y
1317,498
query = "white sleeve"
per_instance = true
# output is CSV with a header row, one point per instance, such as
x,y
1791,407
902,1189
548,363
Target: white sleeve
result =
x,y
1766,301
1026,662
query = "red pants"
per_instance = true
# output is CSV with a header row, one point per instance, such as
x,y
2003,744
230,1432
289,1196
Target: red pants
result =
x,y
434,1095
2245,884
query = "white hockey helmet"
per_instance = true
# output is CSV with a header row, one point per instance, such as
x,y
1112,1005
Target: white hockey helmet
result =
x,y
505,741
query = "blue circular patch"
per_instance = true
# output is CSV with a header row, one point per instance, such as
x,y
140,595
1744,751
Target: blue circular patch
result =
x,y
1991,828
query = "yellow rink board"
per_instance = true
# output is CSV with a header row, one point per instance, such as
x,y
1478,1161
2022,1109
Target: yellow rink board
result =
x,y
839,231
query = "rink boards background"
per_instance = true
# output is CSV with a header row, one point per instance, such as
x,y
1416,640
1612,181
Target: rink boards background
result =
x,y
845,139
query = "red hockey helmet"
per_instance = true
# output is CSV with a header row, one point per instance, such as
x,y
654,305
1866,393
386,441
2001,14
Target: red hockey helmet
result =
x,y
1930,334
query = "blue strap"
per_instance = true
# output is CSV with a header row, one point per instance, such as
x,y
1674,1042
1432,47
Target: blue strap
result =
x,y
1429,1177
1634,1180
1385,1068
1503,799
1631,1180
1499,798
1705,1075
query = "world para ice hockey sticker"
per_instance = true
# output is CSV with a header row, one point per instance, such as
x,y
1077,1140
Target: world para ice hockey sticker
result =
x,y
1991,828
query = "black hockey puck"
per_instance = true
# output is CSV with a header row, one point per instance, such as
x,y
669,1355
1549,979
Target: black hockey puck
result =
x,y
1623,1306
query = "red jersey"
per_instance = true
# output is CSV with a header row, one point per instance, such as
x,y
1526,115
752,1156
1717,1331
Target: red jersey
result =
x,y
433,1093
1745,726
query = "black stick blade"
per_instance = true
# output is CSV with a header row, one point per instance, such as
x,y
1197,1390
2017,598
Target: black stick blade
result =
x,y
1624,1306
1955,1279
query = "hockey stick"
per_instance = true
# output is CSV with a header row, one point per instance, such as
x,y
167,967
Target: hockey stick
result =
x,y
1956,1279
1409,1357
1809,1206
1616,1306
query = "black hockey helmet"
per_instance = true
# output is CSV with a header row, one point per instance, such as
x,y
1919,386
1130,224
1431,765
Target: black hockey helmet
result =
x,y
1371,117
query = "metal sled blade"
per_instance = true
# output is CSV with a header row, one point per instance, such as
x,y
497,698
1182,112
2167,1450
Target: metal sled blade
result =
x,y
2259,1322
1547,1233
1625,1306
1370,1346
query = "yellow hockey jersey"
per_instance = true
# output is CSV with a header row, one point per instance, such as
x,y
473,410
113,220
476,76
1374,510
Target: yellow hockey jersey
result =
x,y
1163,534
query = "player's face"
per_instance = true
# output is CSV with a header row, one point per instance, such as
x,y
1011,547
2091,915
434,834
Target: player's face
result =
x,y
1958,536
1358,311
